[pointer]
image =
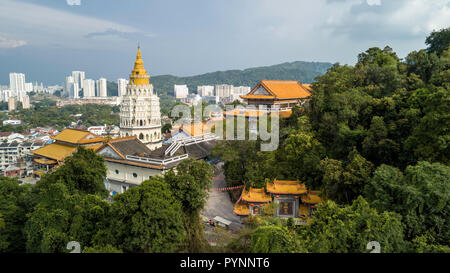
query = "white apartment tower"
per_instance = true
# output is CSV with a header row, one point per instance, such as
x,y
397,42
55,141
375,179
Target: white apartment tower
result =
x,y
17,82
205,90
121,87
102,87
181,91
78,77
17,85
89,88
11,104
26,102
224,90
140,114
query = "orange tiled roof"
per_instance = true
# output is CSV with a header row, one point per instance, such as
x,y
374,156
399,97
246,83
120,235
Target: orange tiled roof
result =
x,y
285,114
94,147
286,187
303,210
91,140
76,136
245,113
256,196
284,89
312,198
197,128
45,161
55,151
122,138
241,209
249,96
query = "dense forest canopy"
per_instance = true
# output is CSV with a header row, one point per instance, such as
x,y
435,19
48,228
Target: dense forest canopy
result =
x,y
376,133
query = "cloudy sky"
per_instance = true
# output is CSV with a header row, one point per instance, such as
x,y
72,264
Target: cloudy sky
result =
x,y
46,39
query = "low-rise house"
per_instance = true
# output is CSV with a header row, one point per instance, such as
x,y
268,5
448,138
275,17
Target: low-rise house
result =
x,y
16,137
4,136
11,122
17,155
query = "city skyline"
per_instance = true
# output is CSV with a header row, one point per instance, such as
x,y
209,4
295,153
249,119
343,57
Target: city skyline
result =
x,y
99,38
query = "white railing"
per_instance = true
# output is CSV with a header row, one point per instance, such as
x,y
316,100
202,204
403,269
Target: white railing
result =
x,y
156,161
197,139
172,149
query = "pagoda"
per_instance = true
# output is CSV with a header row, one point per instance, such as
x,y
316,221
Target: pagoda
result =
x,y
140,113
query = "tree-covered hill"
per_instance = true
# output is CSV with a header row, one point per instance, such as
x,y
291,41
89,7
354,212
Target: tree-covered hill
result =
x,y
304,72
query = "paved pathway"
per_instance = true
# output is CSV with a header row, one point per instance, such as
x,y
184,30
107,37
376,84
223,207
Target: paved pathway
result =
x,y
219,202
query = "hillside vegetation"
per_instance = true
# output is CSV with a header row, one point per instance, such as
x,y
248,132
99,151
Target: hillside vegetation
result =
x,y
304,72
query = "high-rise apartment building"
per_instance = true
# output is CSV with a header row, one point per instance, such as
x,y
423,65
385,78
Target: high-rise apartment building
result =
x,y
181,91
103,87
17,82
224,90
89,88
78,77
11,104
28,87
121,87
26,102
205,90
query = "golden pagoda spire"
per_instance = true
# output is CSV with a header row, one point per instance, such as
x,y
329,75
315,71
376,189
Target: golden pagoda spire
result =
x,y
139,75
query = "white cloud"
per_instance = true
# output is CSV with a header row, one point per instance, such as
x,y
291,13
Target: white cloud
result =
x,y
373,2
10,43
73,2
43,26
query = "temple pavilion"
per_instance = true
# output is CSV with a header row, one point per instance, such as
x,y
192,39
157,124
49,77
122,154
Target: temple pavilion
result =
x,y
65,144
281,95
252,201
292,199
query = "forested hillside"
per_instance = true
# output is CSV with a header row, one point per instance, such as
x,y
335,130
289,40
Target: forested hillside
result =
x,y
376,141
304,72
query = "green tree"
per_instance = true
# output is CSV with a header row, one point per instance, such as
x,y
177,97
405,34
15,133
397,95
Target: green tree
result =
x,y
344,182
348,229
82,172
61,217
303,153
105,249
421,195
16,201
272,239
438,41
189,185
147,218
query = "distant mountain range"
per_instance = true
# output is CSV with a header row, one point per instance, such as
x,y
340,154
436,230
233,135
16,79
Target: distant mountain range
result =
x,y
304,72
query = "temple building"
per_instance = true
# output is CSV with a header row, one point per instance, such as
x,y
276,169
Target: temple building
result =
x,y
290,199
140,114
65,144
286,195
129,161
252,202
309,201
278,94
